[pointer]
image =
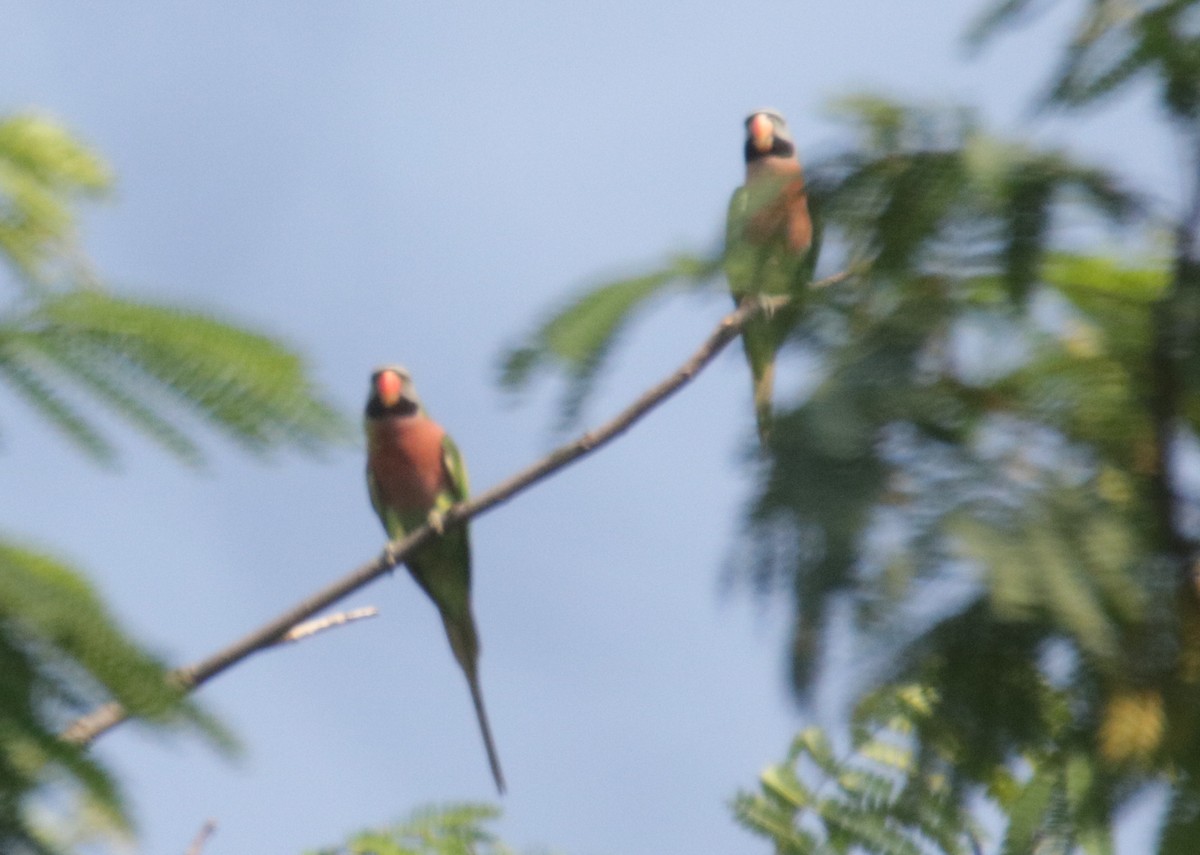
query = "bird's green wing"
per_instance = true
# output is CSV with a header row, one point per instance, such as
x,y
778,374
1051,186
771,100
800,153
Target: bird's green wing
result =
x,y
443,567
739,258
735,219
456,470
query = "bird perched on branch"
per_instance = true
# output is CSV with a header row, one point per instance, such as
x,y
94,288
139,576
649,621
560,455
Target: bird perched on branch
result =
x,y
768,247
415,473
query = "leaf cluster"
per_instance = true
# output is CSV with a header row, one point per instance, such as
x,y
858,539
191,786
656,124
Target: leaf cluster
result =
x,y
154,365
61,653
44,172
577,338
1115,43
77,354
881,796
896,791
456,829
977,473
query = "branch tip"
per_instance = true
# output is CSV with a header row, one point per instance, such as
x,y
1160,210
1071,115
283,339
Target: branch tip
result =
x,y
201,838
316,625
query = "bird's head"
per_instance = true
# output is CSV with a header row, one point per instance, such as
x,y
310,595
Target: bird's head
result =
x,y
767,135
392,392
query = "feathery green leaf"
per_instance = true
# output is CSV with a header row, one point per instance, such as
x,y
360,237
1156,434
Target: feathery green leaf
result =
x,y
578,338
454,829
153,364
62,653
43,172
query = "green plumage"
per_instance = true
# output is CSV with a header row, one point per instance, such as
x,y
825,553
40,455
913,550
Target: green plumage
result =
x,y
760,263
415,473
442,567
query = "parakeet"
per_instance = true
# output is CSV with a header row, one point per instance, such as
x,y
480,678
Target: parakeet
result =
x,y
414,474
768,247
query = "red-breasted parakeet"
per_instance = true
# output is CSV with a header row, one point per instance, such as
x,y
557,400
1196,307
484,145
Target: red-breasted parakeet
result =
x,y
415,473
768,243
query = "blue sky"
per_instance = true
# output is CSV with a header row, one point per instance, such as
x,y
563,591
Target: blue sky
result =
x,y
383,181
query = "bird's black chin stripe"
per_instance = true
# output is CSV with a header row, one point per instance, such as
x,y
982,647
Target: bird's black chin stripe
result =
x,y
781,148
403,407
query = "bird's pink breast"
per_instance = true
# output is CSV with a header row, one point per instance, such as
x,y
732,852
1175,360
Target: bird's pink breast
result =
x,y
405,457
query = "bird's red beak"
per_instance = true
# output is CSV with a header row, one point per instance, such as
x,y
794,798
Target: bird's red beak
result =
x,y
390,387
762,132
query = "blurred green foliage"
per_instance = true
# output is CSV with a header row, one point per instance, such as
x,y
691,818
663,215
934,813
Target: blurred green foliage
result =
x,y
578,336
44,172
157,366
458,829
1113,44
879,795
61,653
68,345
983,493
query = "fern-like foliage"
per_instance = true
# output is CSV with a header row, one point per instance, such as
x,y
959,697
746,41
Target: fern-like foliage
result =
x,y
69,349
900,790
66,344
978,474
1114,43
927,190
976,479
955,405
883,796
153,365
578,337
61,654
44,171
456,829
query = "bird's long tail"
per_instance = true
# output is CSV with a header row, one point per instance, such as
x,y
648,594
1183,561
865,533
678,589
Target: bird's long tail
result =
x,y
488,744
764,384
761,340
464,641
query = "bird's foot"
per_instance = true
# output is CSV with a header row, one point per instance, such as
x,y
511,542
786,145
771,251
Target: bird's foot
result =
x,y
389,555
436,521
766,305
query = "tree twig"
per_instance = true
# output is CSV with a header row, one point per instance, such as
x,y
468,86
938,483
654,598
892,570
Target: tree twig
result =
x,y
311,627
206,831
107,716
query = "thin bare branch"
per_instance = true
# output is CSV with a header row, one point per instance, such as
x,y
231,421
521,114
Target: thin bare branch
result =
x,y
311,627
206,831
107,716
